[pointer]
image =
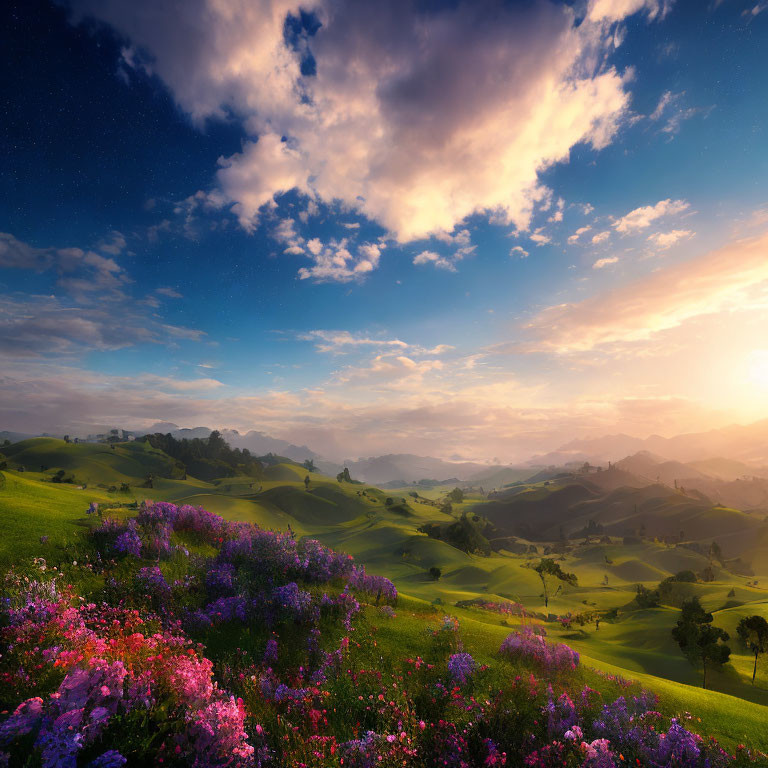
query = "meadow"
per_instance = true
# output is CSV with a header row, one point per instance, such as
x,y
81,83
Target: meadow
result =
x,y
282,636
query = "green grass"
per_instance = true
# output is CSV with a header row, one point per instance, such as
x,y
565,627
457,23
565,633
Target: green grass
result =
x,y
355,519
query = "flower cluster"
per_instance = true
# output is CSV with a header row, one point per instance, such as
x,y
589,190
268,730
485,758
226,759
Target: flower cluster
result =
x,y
461,666
378,587
531,645
112,673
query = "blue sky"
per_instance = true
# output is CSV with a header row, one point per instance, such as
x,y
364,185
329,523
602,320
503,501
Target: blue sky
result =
x,y
463,229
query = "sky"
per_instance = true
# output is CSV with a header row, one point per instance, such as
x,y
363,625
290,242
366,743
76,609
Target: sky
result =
x,y
472,229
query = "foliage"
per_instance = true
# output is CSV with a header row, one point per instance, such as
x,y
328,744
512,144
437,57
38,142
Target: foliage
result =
x,y
207,458
700,641
550,571
753,632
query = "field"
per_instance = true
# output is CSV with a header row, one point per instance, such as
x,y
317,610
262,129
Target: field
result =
x,y
379,528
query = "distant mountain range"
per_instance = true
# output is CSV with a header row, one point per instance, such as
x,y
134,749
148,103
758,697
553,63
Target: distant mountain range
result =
x,y
747,444
704,460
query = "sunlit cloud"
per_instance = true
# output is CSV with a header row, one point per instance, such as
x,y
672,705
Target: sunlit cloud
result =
x,y
716,282
642,218
370,128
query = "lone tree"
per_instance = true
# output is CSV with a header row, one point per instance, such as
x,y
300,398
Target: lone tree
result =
x,y
753,631
309,465
550,573
456,496
343,476
700,642
435,573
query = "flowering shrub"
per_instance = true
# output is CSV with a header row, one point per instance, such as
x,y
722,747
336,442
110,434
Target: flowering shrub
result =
x,y
461,667
377,587
531,645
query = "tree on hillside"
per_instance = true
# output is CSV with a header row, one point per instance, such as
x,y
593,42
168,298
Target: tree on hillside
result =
x,y
700,642
647,598
550,573
715,553
344,476
456,495
753,631
309,465
66,438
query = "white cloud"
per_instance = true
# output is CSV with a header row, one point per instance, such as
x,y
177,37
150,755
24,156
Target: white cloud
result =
x,y
615,10
540,238
608,260
665,240
577,234
642,218
670,108
430,257
519,87
600,237
334,262
519,251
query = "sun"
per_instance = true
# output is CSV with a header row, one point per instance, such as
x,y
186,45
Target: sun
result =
x,y
757,366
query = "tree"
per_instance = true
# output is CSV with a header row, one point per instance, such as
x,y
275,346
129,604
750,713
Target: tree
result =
x,y
715,553
550,572
309,465
435,572
456,495
647,598
753,631
343,476
700,642
66,438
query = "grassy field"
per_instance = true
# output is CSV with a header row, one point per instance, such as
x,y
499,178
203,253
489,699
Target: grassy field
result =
x,y
356,518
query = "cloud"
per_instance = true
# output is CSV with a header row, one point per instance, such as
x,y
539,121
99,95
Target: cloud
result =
x,y
665,240
93,310
334,262
540,238
44,326
384,368
80,272
578,233
115,245
600,237
430,257
642,218
720,281
433,414
171,293
342,341
600,263
520,85
674,113
519,251
615,10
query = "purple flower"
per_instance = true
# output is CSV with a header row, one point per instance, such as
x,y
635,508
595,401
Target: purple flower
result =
x,y
461,666
528,643
110,759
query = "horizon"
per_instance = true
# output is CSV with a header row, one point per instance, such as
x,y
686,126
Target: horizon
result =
x,y
476,231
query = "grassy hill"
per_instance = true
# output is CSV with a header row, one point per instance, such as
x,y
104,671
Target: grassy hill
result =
x,y
384,536
91,463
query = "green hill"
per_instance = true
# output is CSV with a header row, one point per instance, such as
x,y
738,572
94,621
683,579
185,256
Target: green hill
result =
x,y
92,463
